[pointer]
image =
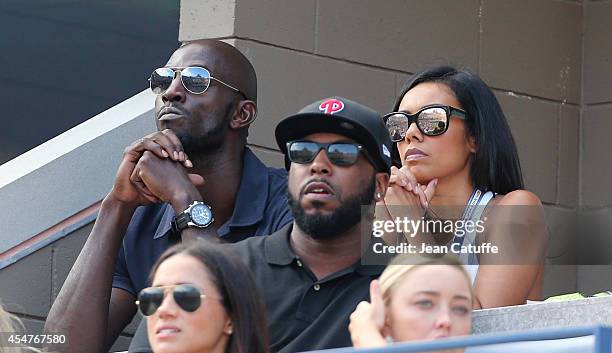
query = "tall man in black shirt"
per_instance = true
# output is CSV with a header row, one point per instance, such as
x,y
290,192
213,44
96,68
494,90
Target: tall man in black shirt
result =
x,y
310,272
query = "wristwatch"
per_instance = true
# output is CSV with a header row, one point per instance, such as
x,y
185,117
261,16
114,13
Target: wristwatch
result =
x,y
197,215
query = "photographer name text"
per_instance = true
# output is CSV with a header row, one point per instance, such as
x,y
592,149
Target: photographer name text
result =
x,y
455,248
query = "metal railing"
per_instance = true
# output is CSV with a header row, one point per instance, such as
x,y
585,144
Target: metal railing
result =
x,y
595,339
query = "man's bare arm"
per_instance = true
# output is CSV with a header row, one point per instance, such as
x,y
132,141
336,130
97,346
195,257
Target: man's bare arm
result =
x,y
120,312
83,309
87,311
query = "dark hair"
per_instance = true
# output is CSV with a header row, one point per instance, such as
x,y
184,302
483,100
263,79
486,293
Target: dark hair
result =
x,y
239,294
495,166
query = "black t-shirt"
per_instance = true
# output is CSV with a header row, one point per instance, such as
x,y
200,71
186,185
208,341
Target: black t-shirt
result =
x,y
303,313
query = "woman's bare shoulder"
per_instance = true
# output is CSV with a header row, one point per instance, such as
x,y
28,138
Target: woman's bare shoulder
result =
x,y
517,197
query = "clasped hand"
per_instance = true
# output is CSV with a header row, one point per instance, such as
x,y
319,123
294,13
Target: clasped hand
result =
x,y
405,190
155,169
405,198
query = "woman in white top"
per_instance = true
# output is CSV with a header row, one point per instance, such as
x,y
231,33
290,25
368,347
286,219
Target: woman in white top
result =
x,y
456,155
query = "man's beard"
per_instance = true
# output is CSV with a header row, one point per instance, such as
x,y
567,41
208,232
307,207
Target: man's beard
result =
x,y
320,226
212,140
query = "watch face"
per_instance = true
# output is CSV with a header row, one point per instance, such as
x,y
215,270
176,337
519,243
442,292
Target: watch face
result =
x,y
201,215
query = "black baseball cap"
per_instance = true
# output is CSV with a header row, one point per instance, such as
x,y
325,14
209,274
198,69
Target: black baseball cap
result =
x,y
340,116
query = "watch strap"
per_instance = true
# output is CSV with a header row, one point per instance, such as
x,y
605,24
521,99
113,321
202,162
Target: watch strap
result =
x,y
180,222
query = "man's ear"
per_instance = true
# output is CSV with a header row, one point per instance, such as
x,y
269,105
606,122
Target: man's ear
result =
x,y
382,182
246,112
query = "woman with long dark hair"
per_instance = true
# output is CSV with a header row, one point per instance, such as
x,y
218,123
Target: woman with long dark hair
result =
x,y
203,299
457,161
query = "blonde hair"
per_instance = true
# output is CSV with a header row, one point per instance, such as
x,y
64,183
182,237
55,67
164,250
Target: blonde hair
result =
x,y
10,323
401,265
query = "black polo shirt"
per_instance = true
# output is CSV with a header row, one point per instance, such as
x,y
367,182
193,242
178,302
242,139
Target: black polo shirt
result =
x,y
303,313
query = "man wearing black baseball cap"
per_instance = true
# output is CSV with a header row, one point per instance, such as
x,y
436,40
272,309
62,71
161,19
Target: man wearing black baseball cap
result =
x,y
338,155
310,272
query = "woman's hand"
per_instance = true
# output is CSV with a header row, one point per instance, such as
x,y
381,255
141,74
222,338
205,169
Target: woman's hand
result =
x,y
368,320
405,200
403,178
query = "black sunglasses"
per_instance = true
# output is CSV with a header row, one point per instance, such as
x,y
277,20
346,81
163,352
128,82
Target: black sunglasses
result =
x,y
339,153
432,120
186,296
195,79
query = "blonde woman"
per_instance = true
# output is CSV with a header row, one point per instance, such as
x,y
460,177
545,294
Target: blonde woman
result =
x,y
426,301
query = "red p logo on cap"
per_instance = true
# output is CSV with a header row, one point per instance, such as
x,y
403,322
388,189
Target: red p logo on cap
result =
x,y
331,106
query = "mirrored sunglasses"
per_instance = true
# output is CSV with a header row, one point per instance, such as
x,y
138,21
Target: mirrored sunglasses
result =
x,y
432,120
339,153
195,79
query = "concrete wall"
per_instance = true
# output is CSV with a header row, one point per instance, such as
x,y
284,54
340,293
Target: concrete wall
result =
x,y
596,129
30,286
574,313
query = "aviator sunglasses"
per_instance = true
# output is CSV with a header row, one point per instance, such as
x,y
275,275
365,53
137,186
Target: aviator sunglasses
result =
x,y
432,120
186,296
195,79
339,153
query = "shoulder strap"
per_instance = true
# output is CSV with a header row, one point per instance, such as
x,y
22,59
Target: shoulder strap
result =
x,y
470,238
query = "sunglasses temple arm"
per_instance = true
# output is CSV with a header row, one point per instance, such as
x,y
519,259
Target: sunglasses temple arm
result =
x,y
458,113
226,85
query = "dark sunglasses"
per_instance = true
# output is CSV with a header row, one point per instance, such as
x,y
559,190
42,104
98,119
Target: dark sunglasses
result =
x,y
432,120
186,296
195,79
339,153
